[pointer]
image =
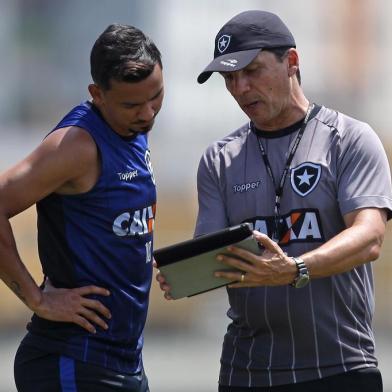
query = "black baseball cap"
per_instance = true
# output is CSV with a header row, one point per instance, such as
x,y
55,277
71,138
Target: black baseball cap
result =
x,y
240,40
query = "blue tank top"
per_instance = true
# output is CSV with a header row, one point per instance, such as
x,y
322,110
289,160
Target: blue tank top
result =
x,y
102,237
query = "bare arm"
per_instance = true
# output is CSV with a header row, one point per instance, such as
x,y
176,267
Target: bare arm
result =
x,y
359,243
65,162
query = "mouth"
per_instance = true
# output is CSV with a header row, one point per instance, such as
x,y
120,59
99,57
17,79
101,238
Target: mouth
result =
x,y
140,129
250,105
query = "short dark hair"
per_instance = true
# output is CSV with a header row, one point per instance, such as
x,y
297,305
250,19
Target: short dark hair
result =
x,y
280,53
123,53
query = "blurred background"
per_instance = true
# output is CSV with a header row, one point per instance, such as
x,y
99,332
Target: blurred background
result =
x,y
345,56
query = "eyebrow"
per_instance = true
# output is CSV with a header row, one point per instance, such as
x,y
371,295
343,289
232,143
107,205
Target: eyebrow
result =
x,y
141,103
157,94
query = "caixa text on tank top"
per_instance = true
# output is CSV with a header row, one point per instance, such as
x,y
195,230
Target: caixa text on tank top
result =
x,y
135,223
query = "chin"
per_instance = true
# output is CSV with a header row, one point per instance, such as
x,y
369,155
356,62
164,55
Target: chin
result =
x,y
141,131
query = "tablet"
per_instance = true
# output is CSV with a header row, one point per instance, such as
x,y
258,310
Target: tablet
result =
x,y
189,266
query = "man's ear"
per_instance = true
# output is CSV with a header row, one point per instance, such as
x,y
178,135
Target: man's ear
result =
x,y
292,62
96,93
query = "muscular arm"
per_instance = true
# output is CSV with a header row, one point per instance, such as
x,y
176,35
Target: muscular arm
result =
x,y
65,162
359,243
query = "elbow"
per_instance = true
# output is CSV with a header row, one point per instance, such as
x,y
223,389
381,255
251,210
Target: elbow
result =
x,y
374,249
374,253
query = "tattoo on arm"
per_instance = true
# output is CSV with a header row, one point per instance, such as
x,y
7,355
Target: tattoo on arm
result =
x,y
15,287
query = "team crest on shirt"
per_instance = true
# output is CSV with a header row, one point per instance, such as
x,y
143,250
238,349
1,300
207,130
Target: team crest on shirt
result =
x,y
147,158
305,177
223,42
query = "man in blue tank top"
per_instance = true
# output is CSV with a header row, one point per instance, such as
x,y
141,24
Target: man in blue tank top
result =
x,y
92,181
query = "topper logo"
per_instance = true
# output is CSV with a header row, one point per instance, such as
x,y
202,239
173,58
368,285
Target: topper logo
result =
x,y
229,63
128,176
248,186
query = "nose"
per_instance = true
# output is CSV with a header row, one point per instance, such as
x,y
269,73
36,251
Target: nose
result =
x,y
239,84
147,112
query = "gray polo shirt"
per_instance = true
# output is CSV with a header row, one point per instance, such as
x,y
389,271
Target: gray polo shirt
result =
x,y
282,335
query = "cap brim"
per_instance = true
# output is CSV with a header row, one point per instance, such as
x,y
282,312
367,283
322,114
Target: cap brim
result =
x,y
228,63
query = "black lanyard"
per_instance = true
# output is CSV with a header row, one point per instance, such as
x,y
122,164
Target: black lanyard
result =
x,y
279,190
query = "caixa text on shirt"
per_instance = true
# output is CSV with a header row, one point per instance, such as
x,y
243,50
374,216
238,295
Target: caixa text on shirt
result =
x,y
135,223
301,225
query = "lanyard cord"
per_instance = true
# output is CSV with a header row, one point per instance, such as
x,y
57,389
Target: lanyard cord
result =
x,y
279,189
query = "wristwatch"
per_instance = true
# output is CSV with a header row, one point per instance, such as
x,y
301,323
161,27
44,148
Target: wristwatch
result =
x,y
302,278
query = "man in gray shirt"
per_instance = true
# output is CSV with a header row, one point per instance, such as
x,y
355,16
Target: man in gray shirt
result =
x,y
316,185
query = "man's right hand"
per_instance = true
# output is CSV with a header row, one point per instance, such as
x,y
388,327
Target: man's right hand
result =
x,y
71,305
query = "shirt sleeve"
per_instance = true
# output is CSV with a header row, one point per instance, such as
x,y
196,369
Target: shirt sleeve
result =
x,y
212,211
364,178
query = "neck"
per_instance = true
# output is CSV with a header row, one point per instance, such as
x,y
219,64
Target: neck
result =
x,y
289,113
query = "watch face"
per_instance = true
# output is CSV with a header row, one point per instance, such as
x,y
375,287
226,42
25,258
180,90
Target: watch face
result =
x,y
302,281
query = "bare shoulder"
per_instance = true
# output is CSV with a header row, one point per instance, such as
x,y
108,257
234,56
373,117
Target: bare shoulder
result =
x,y
77,153
75,145
67,162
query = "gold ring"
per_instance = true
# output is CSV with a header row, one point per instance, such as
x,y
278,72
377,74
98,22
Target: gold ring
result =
x,y
242,277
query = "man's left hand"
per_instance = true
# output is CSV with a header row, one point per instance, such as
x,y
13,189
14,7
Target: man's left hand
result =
x,y
272,268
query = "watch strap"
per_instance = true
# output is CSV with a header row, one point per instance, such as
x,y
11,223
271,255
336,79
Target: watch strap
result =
x,y
302,278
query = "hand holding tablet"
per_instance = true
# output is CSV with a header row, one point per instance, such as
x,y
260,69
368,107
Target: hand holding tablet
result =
x,y
189,266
